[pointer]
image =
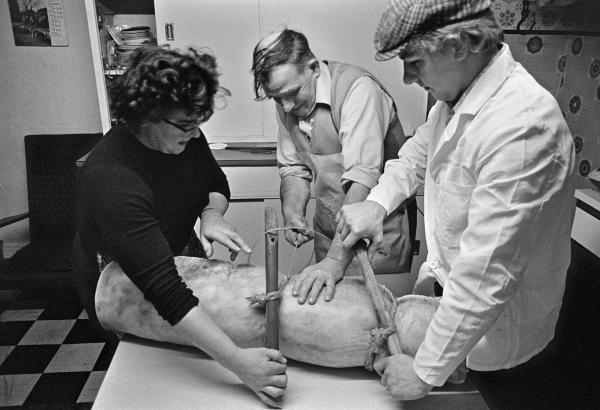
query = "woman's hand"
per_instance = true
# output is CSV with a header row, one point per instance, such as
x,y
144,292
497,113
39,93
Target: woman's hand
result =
x,y
262,370
214,228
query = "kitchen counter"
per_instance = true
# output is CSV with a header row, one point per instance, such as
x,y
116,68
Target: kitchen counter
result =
x,y
145,374
236,155
246,154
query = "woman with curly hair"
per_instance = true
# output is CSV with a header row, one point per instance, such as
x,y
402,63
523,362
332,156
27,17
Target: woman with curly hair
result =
x,y
143,188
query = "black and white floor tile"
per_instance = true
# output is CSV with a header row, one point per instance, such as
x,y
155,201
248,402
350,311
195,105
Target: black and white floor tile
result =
x,y
48,357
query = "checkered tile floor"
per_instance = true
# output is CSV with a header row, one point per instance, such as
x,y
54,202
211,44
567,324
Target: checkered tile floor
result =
x,y
48,357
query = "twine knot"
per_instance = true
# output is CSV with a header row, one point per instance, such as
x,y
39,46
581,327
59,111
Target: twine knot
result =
x,y
260,300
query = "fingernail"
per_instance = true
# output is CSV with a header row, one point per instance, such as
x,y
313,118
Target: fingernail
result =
x,y
311,301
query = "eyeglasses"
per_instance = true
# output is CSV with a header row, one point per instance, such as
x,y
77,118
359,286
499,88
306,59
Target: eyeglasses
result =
x,y
188,128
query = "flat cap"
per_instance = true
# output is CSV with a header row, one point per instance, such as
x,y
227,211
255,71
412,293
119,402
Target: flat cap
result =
x,y
404,18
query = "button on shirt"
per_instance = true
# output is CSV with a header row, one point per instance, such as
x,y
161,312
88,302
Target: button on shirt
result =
x,y
499,207
366,115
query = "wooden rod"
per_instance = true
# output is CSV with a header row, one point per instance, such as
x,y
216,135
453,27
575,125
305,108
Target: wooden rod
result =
x,y
360,248
272,270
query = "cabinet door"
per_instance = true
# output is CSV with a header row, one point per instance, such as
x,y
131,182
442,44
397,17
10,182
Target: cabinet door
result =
x,y
229,30
248,218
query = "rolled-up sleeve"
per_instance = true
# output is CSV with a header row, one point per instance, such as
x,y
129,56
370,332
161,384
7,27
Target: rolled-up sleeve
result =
x,y
366,115
288,160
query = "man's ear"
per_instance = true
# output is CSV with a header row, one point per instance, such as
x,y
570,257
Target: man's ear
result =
x,y
461,47
313,64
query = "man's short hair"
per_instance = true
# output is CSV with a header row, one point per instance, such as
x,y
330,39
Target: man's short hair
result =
x,y
286,47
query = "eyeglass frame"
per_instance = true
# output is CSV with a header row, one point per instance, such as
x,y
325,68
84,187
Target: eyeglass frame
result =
x,y
196,122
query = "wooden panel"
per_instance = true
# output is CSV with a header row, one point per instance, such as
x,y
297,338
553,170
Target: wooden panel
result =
x,y
253,182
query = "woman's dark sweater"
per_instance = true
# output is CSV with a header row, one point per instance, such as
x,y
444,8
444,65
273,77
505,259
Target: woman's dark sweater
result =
x,y
139,206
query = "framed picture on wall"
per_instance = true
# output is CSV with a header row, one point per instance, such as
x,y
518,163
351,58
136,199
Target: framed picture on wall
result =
x,y
38,23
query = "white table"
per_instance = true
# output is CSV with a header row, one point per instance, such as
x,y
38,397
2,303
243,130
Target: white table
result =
x,y
152,375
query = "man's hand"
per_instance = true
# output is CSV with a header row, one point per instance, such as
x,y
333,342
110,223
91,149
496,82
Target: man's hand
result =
x,y
362,220
298,232
313,278
399,378
262,370
214,228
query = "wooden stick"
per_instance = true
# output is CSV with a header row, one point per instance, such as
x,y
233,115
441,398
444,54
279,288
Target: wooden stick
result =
x,y
360,248
272,270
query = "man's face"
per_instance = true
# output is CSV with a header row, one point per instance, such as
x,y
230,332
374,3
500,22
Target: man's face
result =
x,y
294,88
439,73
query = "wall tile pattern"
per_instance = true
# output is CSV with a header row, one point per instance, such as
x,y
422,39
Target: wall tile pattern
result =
x,y
566,63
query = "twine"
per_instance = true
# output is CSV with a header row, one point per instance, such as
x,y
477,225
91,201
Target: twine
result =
x,y
380,335
295,247
261,299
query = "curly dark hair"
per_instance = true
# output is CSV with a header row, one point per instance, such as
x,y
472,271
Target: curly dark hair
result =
x,y
158,79
288,47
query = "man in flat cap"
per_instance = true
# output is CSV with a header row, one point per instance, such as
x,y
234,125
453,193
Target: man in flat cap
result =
x,y
495,158
338,126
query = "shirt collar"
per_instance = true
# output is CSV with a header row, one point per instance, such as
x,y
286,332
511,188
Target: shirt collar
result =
x,y
323,92
486,83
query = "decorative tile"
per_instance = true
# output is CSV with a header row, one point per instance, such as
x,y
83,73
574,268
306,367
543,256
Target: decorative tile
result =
x,y
81,333
12,332
67,306
14,388
57,389
20,315
28,359
78,357
92,385
44,332
106,356
4,352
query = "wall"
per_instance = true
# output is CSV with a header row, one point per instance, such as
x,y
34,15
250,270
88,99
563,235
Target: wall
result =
x,y
339,30
561,49
43,90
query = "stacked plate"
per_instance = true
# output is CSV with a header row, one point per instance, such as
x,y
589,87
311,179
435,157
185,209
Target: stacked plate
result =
x,y
132,38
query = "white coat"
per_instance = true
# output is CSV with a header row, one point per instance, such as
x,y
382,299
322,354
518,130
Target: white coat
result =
x,y
499,207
